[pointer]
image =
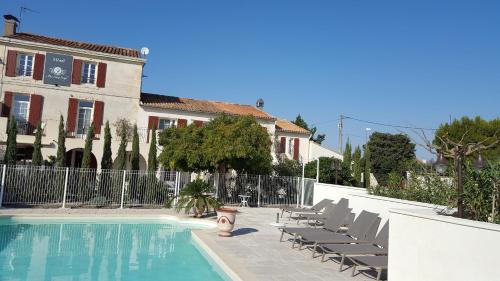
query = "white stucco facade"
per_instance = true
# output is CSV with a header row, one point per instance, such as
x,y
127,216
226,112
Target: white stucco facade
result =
x,y
120,95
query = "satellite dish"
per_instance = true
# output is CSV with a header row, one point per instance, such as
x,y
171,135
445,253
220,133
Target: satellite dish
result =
x,y
144,51
260,103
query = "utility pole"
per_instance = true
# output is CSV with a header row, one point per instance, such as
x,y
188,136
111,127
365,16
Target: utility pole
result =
x,y
341,126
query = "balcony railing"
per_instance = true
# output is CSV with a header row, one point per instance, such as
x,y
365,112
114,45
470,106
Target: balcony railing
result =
x,y
81,134
25,128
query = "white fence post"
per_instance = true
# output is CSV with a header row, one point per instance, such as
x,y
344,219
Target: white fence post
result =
x,y
258,193
317,170
65,188
303,193
123,189
177,186
2,188
298,192
216,185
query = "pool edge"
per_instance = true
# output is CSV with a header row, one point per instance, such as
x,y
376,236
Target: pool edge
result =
x,y
232,268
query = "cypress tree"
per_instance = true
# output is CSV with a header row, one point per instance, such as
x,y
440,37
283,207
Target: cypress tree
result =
x,y
107,159
347,161
121,158
36,158
356,165
61,145
10,157
134,158
367,171
87,151
152,160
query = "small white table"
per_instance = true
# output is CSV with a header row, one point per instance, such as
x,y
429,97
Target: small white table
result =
x,y
244,200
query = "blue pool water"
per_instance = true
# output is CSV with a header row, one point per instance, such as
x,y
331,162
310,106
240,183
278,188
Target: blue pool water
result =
x,y
105,251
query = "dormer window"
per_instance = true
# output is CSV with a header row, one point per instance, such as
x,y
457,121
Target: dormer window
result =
x,y
88,73
24,65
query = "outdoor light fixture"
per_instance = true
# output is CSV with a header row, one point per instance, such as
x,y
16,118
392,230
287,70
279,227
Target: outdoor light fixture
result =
x,y
479,163
441,164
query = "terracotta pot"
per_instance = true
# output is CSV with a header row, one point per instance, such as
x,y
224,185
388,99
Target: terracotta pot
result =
x,y
225,221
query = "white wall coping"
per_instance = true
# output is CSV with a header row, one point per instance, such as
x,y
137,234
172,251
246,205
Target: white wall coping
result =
x,y
361,189
363,193
431,215
402,201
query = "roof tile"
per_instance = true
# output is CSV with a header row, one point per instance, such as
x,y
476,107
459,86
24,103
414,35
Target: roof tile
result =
x,y
75,44
215,107
287,126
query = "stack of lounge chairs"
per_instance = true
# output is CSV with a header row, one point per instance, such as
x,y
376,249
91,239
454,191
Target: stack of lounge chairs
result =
x,y
332,230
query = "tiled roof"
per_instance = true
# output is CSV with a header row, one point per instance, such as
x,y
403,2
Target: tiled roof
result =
x,y
75,44
185,104
287,126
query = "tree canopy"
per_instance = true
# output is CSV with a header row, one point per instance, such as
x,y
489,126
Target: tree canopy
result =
x,y
356,166
226,142
10,157
107,155
152,160
389,153
61,144
299,121
469,130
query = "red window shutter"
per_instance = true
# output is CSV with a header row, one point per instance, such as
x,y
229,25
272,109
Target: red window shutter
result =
x,y
71,118
7,103
282,145
101,75
152,122
181,123
198,123
77,72
97,118
10,68
296,149
38,69
35,114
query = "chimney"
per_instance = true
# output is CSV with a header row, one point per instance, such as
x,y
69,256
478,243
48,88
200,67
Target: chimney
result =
x,y
9,25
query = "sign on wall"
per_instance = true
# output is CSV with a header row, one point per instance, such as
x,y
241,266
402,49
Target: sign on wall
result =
x,y
58,69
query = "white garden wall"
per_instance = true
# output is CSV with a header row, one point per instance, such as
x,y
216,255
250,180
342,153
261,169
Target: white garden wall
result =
x,y
359,200
424,245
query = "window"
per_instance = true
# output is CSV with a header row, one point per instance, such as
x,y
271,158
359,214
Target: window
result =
x,y
88,73
24,65
290,146
20,108
165,123
20,112
84,117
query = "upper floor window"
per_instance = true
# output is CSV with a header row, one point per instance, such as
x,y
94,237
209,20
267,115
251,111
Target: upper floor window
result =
x,y
84,117
165,123
88,73
290,146
24,65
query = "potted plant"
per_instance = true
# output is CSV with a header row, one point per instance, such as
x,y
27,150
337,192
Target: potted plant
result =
x,y
196,196
226,218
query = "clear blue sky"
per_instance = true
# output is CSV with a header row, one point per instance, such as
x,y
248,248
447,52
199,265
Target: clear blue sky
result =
x,y
402,62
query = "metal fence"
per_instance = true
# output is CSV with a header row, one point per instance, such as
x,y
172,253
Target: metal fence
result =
x,y
24,186
50,187
262,190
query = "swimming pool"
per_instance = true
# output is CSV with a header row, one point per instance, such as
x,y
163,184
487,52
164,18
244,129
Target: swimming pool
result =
x,y
102,249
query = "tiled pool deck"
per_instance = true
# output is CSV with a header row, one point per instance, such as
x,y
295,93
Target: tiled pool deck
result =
x,y
253,253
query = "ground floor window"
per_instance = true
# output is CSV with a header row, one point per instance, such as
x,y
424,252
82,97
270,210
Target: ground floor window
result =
x,y
84,117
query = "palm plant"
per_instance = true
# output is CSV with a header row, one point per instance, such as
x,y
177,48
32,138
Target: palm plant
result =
x,y
196,196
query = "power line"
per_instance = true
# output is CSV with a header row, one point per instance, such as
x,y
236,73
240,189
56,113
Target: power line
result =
x,y
388,125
